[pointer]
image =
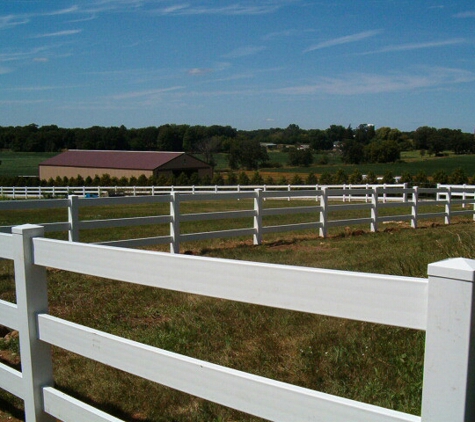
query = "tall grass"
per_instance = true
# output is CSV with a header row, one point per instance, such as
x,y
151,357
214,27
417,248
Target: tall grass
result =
x,y
367,362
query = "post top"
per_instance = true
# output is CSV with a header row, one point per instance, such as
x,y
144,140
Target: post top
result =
x,y
26,227
454,268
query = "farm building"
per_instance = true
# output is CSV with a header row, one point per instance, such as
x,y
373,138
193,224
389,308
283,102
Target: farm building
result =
x,y
122,164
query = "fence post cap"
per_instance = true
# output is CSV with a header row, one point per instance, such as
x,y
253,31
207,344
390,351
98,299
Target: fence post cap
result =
x,y
26,227
455,268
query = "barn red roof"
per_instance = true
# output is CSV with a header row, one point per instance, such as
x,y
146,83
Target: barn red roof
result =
x,y
131,160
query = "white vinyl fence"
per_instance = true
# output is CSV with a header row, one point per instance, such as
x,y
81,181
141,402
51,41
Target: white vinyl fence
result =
x,y
377,202
441,305
41,192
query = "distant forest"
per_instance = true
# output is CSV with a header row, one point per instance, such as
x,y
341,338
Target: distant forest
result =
x,y
364,143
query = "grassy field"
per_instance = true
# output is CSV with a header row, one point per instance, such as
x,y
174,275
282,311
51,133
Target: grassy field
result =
x,y
372,363
22,163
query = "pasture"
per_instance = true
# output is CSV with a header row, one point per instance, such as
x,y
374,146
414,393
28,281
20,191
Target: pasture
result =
x,y
372,363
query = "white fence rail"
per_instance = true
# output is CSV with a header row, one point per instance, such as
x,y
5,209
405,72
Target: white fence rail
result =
x,y
441,305
448,202
26,192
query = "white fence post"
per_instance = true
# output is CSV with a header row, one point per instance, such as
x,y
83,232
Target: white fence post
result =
x,y
449,362
73,218
374,210
32,299
448,205
415,207
324,212
175,223
257,238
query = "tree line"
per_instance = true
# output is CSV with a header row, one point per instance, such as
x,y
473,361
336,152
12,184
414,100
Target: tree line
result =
x,y
232,178
363,144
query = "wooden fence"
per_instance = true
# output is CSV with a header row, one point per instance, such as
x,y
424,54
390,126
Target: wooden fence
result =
x,y
377,202
442,305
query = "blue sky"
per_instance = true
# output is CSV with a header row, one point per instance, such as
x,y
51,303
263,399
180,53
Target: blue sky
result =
x,y
248,64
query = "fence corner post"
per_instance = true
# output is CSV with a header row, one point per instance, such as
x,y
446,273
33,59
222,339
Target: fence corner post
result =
x,y
449,362
32,299
374,209
257,237
324,212
73,218
175,222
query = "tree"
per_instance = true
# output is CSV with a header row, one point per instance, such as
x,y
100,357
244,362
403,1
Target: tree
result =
x,y
340,177
256,179
406,178
247,153
311,179
382,152
356,177
440,176
243,179
352,152
296,180
458,177
208,147
421,136
300,157
388,177
371,178
326,179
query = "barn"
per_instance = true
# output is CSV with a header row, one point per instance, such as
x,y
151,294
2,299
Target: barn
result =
x,y
119,164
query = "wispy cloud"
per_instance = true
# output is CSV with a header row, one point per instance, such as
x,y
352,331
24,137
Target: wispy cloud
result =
x,y
243,8
59,33
285,34
343,40
468,14
145,93
199,71
418,46
66,11
10,21
243,52
369,83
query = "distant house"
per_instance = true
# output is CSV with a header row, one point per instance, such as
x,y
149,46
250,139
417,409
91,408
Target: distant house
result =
x,y
122,164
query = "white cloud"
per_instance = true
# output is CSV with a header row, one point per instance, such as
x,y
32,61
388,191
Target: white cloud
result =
x,y
369,83
418,46
10,21
146,93
233,9
244,51
343,40
197,71
71,9
468,14
59,33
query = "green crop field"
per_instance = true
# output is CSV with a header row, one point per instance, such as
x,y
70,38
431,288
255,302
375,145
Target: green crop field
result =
x,y
362,361
22,163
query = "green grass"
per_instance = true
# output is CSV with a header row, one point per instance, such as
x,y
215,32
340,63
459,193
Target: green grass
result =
x,y
22,163
372,363
409,164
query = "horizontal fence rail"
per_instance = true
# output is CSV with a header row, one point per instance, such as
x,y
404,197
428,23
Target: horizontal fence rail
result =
x,y
377,201
27,192
441,305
